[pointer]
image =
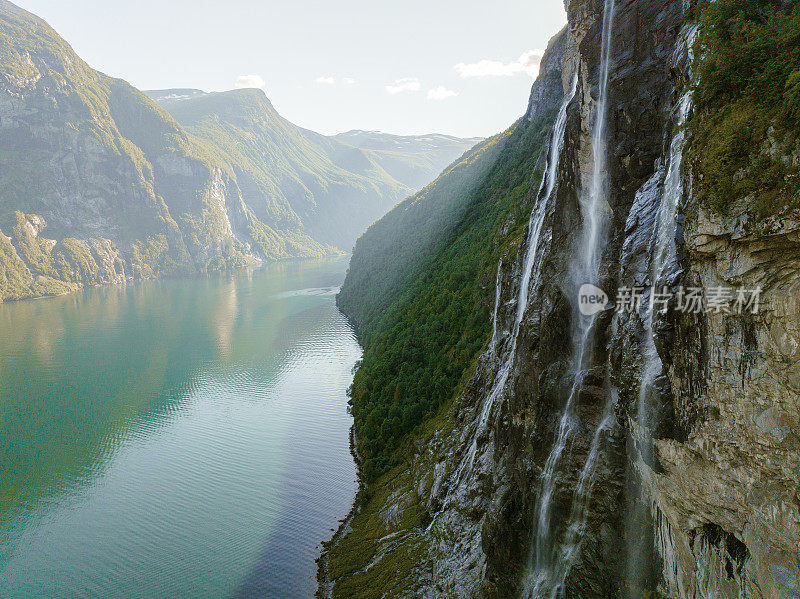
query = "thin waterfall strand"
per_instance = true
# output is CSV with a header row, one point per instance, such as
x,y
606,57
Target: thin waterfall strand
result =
x,y
663,253
535,222
498,290
579,516
662,256
593,210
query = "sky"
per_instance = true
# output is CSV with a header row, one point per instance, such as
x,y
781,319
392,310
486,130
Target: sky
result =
x,y
460,67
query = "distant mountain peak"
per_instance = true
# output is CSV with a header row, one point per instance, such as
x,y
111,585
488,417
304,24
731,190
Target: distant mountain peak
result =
x,y
382,134
418,144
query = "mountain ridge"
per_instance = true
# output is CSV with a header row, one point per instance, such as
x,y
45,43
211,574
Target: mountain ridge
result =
x,y
412,161
101,184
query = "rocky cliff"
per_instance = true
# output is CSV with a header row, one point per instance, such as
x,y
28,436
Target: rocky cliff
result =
x,y
625,452
99,184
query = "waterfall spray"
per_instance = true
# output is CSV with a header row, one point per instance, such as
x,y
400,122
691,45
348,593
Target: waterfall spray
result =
x,y
542,570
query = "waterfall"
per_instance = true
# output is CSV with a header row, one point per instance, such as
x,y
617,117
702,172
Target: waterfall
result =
x,y
579,515
593,207
662,258
537,216
543,569
662,253
498,290
535,222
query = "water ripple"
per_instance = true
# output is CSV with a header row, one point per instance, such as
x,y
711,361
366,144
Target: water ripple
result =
x,y
180,438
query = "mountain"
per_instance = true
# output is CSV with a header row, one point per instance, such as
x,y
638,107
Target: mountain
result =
x,y
100,184
513,445
415,160
286,172
289,176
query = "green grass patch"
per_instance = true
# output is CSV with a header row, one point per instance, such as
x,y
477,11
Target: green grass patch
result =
x,y
746,122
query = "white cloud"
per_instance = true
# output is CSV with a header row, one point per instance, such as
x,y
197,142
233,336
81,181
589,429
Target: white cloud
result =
x,y
243,81
348,81
325,80
528,63
441,93
406,84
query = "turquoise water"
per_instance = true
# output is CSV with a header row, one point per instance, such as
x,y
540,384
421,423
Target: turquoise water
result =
x,y
178,438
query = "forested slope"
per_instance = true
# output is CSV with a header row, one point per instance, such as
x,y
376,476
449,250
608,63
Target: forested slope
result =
x,y
420,291
420,286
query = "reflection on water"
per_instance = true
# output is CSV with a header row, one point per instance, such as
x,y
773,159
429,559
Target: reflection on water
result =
x,y
182,438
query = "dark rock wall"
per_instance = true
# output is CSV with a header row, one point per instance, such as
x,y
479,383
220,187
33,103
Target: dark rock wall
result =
x,y
641,95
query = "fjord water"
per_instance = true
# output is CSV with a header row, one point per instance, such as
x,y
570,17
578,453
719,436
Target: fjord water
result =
x,y
178,438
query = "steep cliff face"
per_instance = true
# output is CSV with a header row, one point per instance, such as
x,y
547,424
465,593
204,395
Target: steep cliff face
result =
x,y
725,483
419,290
626,453
717,457
549,474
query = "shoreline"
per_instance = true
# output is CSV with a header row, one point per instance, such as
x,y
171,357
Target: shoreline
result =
x,y
324,583
121,281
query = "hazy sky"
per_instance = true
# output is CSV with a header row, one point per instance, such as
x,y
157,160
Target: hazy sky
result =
x,y
411,66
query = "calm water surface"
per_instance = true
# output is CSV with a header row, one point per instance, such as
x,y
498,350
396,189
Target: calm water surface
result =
x,y
182,438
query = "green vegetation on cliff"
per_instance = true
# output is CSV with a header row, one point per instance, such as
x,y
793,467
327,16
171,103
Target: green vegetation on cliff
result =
x,y
746,124
421,284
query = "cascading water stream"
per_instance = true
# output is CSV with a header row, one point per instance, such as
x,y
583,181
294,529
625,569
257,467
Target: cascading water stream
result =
x,y
535,222
662,257
498,290
579,514
541,570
